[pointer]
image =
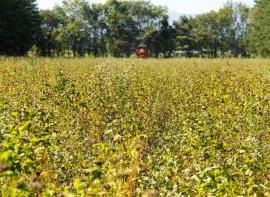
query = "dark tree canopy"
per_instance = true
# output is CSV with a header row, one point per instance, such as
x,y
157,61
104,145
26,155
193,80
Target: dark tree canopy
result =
x,y
19,25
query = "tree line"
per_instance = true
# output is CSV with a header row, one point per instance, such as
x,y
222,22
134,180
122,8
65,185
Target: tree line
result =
x,y
77,28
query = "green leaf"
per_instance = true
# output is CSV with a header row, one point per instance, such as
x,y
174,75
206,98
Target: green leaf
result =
x,y
26,125
35,140
6,156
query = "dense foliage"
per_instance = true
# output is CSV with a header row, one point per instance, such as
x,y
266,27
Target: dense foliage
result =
x,y
116,27
19,25
131,127
259,29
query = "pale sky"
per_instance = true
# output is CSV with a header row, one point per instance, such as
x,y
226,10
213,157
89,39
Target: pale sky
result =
x,y
180,6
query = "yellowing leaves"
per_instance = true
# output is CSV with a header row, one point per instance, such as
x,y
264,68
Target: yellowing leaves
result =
x,y
120,127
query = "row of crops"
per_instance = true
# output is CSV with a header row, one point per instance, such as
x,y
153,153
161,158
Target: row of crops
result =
x,y
116,127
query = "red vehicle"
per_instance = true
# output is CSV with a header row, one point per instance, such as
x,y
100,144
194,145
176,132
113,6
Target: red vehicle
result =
x,y
142,51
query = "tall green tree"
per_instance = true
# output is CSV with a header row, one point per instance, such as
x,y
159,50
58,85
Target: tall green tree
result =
x,y
19,26
259,29
166,37
47,41
75,31
206,34
234,20
121,29
184,40
96,31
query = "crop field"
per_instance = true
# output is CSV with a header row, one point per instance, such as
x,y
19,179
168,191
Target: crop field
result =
x,y
123,127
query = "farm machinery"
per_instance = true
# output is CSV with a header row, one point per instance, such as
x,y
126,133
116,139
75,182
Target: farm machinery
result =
x,y
142,51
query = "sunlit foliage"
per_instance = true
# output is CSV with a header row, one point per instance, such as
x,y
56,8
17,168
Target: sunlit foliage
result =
x,y
115,127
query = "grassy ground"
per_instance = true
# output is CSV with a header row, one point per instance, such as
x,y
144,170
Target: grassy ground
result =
x,y
116,127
